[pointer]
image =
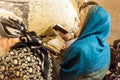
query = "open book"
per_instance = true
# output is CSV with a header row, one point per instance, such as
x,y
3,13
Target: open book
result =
x,y
55,45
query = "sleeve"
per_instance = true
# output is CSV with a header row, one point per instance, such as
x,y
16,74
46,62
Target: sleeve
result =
x,y
73,64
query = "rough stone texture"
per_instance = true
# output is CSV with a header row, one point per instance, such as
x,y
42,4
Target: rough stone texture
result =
x,y
42,13
19,8
45,13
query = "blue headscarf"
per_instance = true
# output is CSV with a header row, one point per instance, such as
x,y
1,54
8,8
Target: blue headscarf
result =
x,y
90,52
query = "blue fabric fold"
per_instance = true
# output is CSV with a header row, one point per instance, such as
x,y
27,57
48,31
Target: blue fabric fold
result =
x,y
90,52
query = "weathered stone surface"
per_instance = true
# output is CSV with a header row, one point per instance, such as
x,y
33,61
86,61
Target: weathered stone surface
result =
x,y
41,14
45,13
19,8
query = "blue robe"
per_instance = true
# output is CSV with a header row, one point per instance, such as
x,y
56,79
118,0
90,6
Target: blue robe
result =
x,y
90,52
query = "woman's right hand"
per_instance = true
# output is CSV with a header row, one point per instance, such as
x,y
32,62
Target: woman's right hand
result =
x,y
67,36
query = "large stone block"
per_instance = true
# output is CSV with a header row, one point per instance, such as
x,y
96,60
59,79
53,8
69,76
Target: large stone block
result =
x,y
39,15
45,13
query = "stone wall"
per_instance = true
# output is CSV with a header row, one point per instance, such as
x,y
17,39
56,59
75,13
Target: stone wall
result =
x,y
18,7
39,15
45,13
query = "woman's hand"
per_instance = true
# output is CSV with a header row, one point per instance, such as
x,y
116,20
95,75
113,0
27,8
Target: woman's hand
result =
x,y
67,36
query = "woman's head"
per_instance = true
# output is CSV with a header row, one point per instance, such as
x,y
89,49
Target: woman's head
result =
x,y
97,22
84,9
10,24
13,30
10,29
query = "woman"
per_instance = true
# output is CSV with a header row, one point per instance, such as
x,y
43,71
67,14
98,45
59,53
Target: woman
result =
x,y
88,57
22,56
